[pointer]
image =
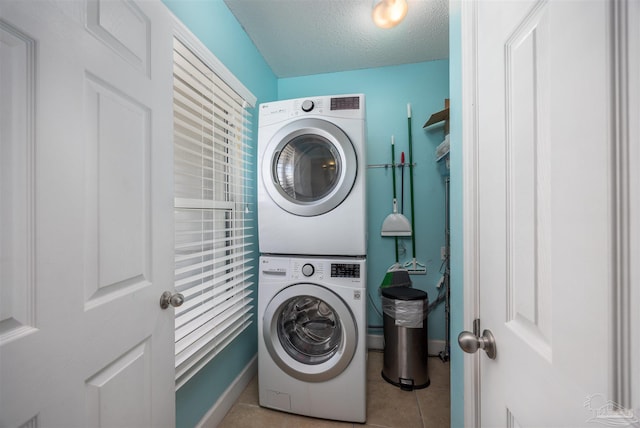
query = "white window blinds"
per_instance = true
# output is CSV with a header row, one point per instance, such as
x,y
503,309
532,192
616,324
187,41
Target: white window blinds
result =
x,y
212,236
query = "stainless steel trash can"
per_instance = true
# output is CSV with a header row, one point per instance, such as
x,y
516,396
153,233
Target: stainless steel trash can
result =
x,y
405,337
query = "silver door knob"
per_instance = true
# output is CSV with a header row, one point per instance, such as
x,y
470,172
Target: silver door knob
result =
x,y
174,300
470,343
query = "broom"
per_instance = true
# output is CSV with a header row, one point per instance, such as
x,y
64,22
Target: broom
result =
x,y
395,225
414,267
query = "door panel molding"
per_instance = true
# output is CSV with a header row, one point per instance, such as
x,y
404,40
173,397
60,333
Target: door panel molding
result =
x,y
528,172
130,372
124,28
118,156
17,183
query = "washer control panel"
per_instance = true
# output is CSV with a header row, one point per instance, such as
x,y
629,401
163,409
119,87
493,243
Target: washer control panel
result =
x,y
345,270
308,269
271,266
339,271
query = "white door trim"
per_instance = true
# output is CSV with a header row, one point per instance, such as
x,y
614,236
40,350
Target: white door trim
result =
x,y
626,132
625,344
471,273
633,141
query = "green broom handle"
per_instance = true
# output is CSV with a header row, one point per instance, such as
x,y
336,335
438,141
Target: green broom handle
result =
x,y
393,174
413,221
393,164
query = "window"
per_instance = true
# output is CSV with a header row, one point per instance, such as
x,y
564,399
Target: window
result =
x,y
213,248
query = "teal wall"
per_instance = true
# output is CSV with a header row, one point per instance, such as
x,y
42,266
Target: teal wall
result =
x,y
457,301
388,90
212,22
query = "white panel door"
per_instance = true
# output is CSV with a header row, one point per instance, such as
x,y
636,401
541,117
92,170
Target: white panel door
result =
x,y
86,206
546,201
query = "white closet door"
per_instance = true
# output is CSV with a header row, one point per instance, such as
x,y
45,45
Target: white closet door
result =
x,y
86,214
548,261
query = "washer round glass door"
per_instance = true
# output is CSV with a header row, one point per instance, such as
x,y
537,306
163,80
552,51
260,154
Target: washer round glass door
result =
x,y
309,167
310,332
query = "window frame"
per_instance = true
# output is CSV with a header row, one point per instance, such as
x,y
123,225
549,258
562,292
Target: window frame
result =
x,y
235,297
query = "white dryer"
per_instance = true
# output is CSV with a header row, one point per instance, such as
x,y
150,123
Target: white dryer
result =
x,y
311,336
311,176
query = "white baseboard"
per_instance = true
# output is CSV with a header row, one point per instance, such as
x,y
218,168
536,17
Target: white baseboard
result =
x,y
376,341
215,415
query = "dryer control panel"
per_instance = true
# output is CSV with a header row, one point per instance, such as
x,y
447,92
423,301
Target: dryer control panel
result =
x,y
351,106
345,103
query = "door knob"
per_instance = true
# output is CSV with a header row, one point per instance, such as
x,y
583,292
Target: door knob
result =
x,y
174,300
470,343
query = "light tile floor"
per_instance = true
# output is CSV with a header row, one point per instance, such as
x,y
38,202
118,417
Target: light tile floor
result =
x,y
387,405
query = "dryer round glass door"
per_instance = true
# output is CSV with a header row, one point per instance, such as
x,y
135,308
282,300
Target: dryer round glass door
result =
x,y
309,167
310,332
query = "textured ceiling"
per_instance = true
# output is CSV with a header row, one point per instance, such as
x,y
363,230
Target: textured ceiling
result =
x,y
303,37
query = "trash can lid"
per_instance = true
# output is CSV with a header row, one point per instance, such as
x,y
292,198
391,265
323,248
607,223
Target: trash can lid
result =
x,y
403,293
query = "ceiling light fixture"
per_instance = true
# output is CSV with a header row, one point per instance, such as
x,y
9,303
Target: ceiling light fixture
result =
x,y
389,13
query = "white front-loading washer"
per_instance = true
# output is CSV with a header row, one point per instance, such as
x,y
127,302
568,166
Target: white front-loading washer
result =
x,y
311,336
311,176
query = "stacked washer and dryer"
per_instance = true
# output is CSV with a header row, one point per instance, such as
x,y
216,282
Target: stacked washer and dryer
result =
x,y
312,270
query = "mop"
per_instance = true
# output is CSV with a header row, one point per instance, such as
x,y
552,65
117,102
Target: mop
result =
x,y
414,267
395,225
